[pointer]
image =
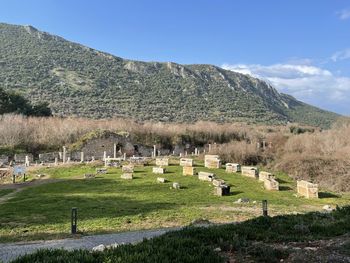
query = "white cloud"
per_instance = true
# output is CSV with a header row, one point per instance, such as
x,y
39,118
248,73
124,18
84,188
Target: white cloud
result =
x,y
308,83
341,55
344,14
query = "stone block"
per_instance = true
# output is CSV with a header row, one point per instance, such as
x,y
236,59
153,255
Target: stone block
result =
x,y
233,167
222,190
188,170
204,176
212,161
271,184
265,175
127,168
250,171
162,161
161,180
176,185
218,182
307,189
158,170
186,162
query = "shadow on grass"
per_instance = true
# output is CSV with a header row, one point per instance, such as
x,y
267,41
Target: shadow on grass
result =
x,y
285,188
281,181
95,199
236,193
327,195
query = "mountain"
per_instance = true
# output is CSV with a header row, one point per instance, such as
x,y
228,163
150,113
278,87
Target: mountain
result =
x,y
80,81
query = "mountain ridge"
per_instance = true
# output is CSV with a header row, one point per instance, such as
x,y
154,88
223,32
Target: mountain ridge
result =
x,y
80,81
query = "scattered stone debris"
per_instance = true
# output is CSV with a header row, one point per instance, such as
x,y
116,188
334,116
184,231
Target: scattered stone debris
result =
x,y
176,185
242,200
161,180
89,176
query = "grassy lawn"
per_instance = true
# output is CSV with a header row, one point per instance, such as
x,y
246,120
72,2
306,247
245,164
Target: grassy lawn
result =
x,y
5,191
110,204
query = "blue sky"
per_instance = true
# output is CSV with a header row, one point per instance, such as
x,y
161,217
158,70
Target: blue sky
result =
x,y
301,47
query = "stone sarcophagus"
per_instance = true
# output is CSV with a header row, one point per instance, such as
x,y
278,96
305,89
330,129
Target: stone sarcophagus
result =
x,y
265,175
162,161
158,170
128,168
204,176
186,162
250,171
271,184
307,189
212,161
188,170
233,167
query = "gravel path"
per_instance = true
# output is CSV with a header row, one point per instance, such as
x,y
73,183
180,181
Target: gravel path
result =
x,y
10,251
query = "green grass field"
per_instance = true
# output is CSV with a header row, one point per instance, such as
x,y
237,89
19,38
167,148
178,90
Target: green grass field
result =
x,y
111,204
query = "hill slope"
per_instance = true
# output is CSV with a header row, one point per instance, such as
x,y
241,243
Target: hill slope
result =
x,y
77,80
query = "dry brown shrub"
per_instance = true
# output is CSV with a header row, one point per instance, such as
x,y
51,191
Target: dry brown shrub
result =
x,y
322,157
239,152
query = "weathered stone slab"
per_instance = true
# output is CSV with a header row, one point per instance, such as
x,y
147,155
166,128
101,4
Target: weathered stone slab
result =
x,y
186,162
128,168
233,167
307,189
204,176
271,184
250,171
158,170
218,182
188,170
162,161
127,176
161,180
101,170
212,161
222,190
265,176
89,176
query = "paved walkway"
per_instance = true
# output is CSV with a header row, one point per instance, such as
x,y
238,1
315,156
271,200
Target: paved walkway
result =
x,y
10,251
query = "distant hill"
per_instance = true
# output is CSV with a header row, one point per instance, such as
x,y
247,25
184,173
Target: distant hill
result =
x,y
80,81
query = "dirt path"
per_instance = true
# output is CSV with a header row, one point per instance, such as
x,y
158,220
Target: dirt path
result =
x,y
11,251
18,187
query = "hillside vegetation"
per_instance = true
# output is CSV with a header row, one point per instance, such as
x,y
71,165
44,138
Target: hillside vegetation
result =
x,y
15,103
80,81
